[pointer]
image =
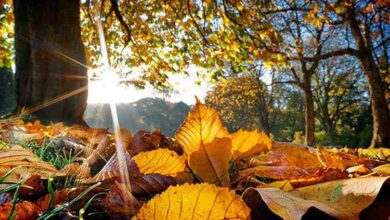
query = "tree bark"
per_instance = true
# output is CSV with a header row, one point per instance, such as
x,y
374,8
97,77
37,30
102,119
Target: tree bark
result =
x,y
309,114
264,116
51,75
330,133
379,107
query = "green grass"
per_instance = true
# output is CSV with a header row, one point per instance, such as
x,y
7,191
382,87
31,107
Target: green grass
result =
x,y
48,153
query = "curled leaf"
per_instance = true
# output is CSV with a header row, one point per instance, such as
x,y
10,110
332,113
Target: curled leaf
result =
x,y
200,201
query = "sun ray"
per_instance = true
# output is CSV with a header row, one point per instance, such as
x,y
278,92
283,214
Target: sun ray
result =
x,y
53,101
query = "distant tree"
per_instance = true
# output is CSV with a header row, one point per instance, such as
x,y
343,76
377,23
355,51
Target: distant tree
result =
x,y
243,101
365,37
288,116
144,114
339,87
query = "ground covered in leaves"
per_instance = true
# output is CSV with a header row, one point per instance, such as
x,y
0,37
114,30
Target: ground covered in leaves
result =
x,y
204,172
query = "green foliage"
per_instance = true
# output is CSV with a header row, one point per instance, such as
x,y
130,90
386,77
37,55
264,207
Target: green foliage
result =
x,y
6,36
241,101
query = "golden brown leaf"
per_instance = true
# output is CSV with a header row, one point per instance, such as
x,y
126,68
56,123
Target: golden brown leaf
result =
x,y
248,143
290,161
200,201
204,140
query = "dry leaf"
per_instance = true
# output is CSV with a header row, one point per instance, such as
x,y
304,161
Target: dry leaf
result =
x,y
204,141
249,143
289,161
33,186
343,199
382,170
24,210
275,172
119,200
142,185
201,201
160,161
26,163
151,184
147,141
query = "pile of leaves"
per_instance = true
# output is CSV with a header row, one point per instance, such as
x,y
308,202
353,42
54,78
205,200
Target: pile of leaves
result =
x,y
204,172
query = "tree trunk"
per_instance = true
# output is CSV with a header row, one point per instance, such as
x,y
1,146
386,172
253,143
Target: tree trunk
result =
x,y
264,116
51,76
379,107
330,135
309,114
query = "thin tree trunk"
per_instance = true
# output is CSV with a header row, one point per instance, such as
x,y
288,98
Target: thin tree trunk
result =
x,y
309,114
330,134
265,122
50,61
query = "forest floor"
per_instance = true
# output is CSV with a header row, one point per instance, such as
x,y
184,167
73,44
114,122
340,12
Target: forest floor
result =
x,y
203,172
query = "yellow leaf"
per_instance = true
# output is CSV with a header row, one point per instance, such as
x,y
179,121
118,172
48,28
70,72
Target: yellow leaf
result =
x,y
204,140
383,169
200,201
212,162
284,185
161,161
247,143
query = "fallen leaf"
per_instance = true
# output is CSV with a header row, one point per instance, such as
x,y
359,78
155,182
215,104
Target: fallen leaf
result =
x,y
149,185
141,185
383,170
26,163
119,200
161,161
342,199
200,201
205,143
147,141
275,172
24,210
287,154
248,143
33,186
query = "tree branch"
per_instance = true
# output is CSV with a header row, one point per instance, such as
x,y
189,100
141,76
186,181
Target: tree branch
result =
x,y
118,15
345,51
